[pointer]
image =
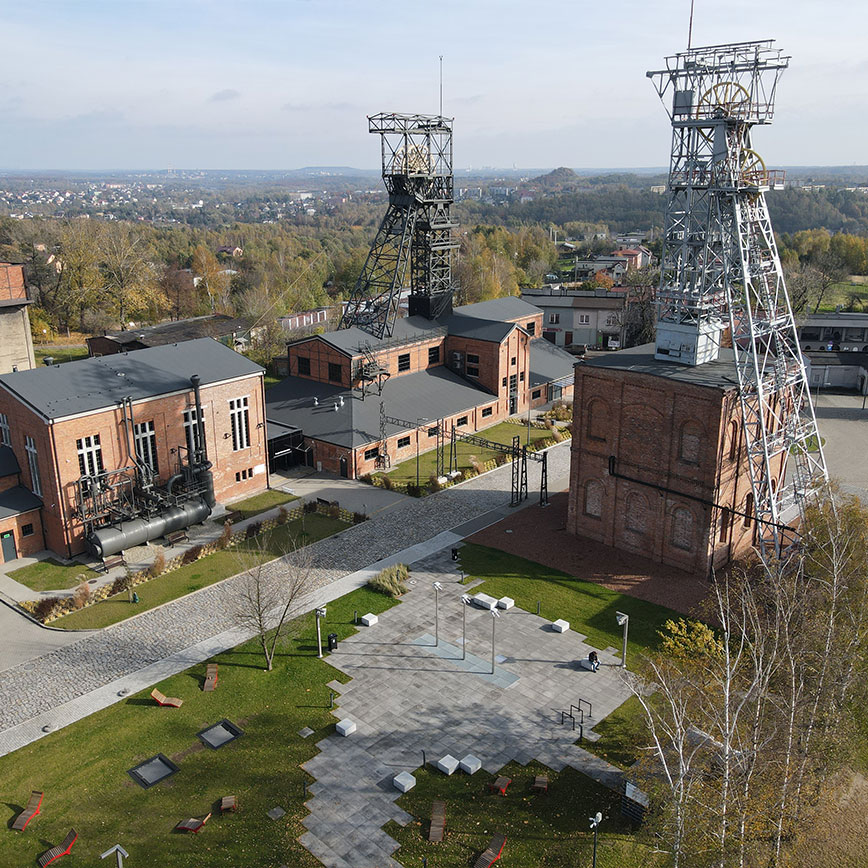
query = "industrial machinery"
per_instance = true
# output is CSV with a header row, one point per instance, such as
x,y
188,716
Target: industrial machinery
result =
x,y
721,280
128,507
414,241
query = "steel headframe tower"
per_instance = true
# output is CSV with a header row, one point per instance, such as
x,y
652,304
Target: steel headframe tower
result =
x,y
416,233
720,268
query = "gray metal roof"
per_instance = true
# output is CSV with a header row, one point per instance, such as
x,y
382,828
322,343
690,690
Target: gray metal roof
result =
x,y
640,360
93,384
479,329
351,340
16,500
509,307
432,394
549,363
8,462
211,326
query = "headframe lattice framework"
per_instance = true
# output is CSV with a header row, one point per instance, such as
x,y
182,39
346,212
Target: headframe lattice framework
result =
x,y
720,266
415,238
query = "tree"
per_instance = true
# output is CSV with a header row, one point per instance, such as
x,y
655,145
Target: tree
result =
x,y
268,591
129,278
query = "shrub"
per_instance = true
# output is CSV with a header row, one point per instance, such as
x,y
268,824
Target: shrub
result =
x,y
192,554
562,411
253,530
414,490
391,581
310,506
387,482
122,583
501,458
476,465
366,478
225,538
359,517
81,596
434,483
158,566
282,515
334,510
46,607
556,435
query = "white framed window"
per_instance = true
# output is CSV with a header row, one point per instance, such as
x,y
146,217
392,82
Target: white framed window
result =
x,y
5,432
554,318
584,318
89,455
33,462
191,429
239,417
146,444
611,320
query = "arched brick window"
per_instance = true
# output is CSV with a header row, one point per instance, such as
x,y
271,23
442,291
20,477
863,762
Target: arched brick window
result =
x,y
636,508
594,498
598,419
733,439
748,509
682,528
690,442
725,519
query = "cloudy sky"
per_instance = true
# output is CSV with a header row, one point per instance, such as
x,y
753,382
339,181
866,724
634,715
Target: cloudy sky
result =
x,y
279,84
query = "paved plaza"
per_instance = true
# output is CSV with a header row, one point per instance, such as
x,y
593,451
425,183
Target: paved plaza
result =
x,y
408,695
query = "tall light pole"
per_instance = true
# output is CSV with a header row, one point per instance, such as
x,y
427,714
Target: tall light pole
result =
x,y
320,614
623,621
595,821
419,422
494,616
437,589
465,602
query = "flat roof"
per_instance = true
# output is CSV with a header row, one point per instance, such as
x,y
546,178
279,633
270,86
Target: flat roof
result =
x,y
640,360
506,308
210,326
837,359
18,499
353,340
432,394
549,363
478,329
57,391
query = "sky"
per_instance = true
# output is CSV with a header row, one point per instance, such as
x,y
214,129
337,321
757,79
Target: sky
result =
x,y
281,84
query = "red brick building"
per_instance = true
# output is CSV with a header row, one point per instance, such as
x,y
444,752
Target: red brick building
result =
x,y
471,369
102,418
16,344
659,464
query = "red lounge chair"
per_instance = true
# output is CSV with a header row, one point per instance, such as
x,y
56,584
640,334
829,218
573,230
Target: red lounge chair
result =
x,y
60,850
210,678
540,783
193,825
500,785
29,812
492,854
228,803
166,701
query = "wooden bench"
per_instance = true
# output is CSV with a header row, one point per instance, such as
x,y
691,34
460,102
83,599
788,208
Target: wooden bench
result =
x,y
210,678
228,803
194,824
166,701
176,536
500,785
540,783
62,849
492,854
113,561
438,822
32,809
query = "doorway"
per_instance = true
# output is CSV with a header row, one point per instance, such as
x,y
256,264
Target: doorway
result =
x,y
7,540
344,466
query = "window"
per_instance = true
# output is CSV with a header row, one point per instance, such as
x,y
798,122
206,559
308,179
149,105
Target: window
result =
x,y
146,444
432,432
241,475
531,328
404,362
191,429
27,530
611,320
733,439
403,442
33,463
472,371
691,443
521,377
239,418
598,419
462,420
554,318
304,366
371,454
503,382
486,412
584,319
433,355
536,393
724,525
513,384
512,361
472,359
5,433
682,529
89,455
336,372
636,518
748,510
593,498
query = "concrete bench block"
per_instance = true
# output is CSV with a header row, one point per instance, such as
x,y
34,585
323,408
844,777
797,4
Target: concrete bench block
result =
x,y
560,626
346,727
370,619
484,601
470,764
505,603
447,764
584,663
404,782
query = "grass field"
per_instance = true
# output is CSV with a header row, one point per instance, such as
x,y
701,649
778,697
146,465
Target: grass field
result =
x,y
590,608
51,575
200,574
541,829
83,768
59,354
621,735
502,433
261,502
843,294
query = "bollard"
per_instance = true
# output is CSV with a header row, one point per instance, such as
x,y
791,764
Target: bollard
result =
x,y
538,604
304,786
331,699
424,761
355,616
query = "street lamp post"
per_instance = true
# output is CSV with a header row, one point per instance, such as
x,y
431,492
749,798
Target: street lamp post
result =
x,y
419,421
320,614
437,589
465,602
595,822
623,621
494,616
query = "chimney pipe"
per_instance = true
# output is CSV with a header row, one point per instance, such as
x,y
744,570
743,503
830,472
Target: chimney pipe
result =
x,y
202,451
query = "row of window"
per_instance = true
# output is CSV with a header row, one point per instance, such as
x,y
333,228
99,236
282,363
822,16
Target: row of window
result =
x,y
336,371
583,319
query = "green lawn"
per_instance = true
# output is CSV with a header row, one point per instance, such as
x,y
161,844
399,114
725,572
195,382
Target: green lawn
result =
x,y
541,829
842,294
590,608
502,433
51,575
621,734
59,354
206,571
261,502
83,768
271,380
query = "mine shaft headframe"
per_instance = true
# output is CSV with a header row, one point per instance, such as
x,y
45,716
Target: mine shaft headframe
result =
x,y
416,153
737,80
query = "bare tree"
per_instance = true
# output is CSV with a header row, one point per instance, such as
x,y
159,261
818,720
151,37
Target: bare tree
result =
x,y
270,590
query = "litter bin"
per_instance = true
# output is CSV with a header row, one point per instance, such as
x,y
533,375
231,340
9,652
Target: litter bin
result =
x,y
333,641
454,554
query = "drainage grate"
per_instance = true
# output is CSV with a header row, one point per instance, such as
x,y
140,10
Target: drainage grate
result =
x,y
152,771
219,734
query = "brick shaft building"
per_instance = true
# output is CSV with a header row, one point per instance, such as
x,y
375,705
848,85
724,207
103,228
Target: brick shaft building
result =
x,y
16,343
659,464
62,422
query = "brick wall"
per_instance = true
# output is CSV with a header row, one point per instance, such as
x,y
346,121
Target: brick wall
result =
x,y
25,545
320,353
